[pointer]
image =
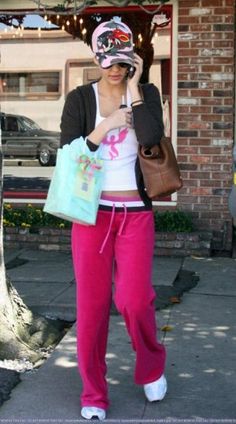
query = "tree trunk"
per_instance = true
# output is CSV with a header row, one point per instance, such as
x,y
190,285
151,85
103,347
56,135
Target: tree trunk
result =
x,y
23,334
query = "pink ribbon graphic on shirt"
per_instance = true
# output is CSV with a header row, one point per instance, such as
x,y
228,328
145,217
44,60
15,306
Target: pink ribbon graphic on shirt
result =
x,y
113,140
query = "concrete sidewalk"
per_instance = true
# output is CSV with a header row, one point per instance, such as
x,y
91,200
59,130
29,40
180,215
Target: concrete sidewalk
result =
x,y
201,347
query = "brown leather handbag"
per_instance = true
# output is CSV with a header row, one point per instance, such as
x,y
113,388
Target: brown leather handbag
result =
x,y
160,169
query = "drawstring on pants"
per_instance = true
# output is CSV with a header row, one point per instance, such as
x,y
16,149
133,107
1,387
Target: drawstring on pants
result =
x,y
109,229
110,225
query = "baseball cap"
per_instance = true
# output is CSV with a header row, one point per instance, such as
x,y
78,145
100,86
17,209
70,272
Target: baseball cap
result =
x,y
112,42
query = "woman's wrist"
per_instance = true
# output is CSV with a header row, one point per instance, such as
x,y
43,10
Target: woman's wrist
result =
x,y
92,146
133,89
135,94
106,124
136,102
99,132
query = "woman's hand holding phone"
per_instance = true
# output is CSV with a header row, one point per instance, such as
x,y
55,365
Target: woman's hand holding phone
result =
x,y
135,71
134,80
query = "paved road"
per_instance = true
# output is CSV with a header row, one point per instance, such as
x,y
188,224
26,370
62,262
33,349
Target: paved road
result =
x,y
199,334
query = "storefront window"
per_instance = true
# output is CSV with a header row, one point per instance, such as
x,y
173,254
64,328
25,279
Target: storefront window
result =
x,y
25,83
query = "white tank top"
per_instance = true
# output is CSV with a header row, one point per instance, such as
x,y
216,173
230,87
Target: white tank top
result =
x,y
119,152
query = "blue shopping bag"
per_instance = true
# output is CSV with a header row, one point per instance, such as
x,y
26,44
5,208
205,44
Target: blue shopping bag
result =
x,y
76,184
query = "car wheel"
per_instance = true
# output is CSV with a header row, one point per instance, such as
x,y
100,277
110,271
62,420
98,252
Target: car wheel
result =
x,y
45,158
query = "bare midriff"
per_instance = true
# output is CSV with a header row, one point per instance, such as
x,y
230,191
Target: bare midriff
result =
x,y
128,193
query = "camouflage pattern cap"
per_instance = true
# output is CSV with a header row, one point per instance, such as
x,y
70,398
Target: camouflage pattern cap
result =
x,y
112,42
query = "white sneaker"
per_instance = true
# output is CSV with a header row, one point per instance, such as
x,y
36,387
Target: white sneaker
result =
x,y
90,412
156,390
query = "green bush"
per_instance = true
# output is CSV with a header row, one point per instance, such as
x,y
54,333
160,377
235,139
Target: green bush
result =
x,y
33,216
30,216
176,221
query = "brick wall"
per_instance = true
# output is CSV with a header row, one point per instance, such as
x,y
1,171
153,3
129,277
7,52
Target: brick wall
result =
x,y
206,37
55,239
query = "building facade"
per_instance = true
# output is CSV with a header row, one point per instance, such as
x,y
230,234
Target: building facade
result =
x,y
206,112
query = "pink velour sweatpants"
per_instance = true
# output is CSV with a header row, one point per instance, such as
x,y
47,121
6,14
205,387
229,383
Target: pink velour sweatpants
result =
x,y
129,246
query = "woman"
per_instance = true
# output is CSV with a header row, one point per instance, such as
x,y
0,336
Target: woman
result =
x,y
123,236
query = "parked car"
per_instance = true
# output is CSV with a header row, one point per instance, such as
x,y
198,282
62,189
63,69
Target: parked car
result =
x,y
23,138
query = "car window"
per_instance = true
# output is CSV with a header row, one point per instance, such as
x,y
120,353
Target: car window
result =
x,y
28,124
11,124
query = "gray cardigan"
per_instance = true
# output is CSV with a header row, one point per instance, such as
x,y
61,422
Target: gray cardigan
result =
x,y
79,115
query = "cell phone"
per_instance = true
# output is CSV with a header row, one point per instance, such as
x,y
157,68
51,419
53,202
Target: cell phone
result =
x,y
131,72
